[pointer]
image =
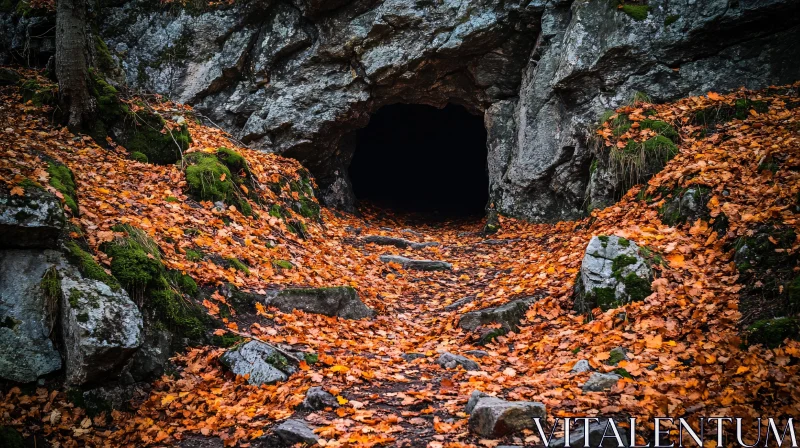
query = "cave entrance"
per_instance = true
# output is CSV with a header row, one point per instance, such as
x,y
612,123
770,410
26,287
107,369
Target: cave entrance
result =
x,y
420,159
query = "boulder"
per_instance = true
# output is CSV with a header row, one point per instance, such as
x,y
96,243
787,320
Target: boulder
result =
x,y
418,265
317,399
474,397
401,243
581,366
597,429
261,361
494,418
450,361
8,77
339,301
599,382
157,347
508,315
33,220
295,431
613,272
616,355
101,328
686,205
29,296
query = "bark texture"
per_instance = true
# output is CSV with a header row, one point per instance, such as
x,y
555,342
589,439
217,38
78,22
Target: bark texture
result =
x,y
72,65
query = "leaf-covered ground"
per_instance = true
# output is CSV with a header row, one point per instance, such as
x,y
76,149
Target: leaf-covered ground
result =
x,y
687,357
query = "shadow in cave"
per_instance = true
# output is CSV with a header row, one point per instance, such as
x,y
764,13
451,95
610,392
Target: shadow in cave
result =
x,y
419,159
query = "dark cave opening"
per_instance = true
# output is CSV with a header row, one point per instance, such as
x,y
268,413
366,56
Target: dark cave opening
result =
x,y
420,159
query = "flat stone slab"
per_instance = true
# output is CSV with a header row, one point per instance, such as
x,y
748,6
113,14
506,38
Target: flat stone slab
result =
x,y
450,361
419,265
401,243
508,315
494,417
339,301
599,382
294,431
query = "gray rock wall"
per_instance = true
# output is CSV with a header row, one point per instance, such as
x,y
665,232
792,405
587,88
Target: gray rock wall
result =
x,y
299,77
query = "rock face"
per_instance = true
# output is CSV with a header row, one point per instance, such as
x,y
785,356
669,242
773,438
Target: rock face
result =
x,y
613,272
101,328
32,220
298,78
261,361
417,265
508,315
28,314
493,417
340,301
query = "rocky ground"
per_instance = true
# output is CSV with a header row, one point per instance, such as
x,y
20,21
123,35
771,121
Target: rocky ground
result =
x,y
400,354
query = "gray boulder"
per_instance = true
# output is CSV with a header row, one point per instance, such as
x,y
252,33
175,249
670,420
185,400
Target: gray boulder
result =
x,y
317,399
401,243
599,382
157,347
340,301
29,296
687,205
418,265
34,220
474,397
494,418
294,431
581,366
412,356
597,429
508,315
101,328
613,272
450,361
260,360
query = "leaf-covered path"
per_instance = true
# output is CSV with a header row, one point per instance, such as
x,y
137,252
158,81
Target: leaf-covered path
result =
x,y
686,357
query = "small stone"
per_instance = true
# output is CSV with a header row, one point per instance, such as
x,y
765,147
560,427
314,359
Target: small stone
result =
x,y
581,366
451,361
419,265
473,400
599,382
294,431
477,353
260,360
412,356
616,355
339,301
493,417
459,303
508,315
318,399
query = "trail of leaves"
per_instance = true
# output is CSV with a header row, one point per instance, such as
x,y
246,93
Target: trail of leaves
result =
x,y
683,340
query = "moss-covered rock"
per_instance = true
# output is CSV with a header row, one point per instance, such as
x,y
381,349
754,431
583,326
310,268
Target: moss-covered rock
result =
x,y
39,94
87,266
63,180
772,332
221,176
712,116
686,205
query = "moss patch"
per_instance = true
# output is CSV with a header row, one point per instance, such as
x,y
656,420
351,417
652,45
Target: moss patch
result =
x,y
135,260
282,264
39,94
712,116
238,265
139,157
62,179
87,266
193,255
772,332
221,176
670,19
636,12
10,438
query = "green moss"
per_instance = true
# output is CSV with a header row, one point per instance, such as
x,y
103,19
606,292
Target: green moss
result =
x,y
605,298
297,227
636,12
623,242
39,95
712,116
637,288
82,317
135,261
615,356
144,134
139,157
238,265
276,211
87,266
490,336
283,264
661,127
793,293
662,145
623,373
51,284
232,159
670,19
193,255
74,298
593,167
183,282
208,179
311,358
226,340
185,317
620,262
772,332
620,125
10,438
62,179
103,59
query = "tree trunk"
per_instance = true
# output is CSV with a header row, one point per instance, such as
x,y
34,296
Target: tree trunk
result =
x,y
72,64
